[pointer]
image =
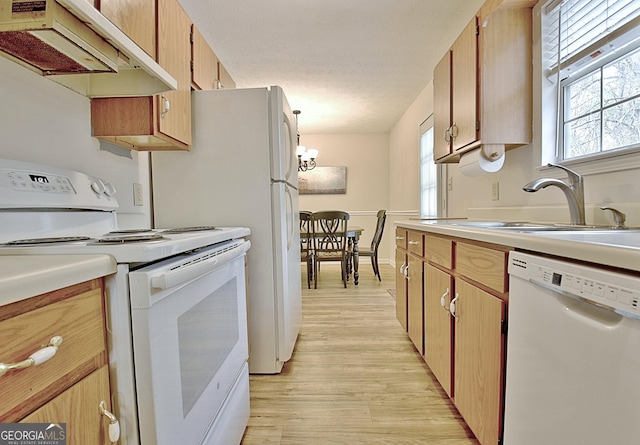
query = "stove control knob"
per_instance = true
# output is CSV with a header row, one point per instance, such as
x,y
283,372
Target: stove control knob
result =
x,y
109,189
97,186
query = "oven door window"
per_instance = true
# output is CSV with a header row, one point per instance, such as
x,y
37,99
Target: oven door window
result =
x,y
207,334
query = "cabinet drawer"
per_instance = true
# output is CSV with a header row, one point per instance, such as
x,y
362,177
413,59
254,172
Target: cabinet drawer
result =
x,y
401,238
439,250
415,243
482,264
77,316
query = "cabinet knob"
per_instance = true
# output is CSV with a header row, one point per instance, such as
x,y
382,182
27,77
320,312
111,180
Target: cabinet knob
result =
x,y
414,243
37,358
452,306
443,300
166,106
114,425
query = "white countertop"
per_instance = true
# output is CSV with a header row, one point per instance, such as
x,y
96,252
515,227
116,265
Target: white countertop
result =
x,y
611,248
25,276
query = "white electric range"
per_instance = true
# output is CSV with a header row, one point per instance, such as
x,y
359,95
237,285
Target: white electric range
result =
x,y
176,306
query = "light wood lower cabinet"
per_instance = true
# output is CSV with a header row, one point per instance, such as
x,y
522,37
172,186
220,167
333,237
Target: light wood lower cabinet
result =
x,y
415,300
464,285
401,278
401,289
479,360
438,326
68,387
78,408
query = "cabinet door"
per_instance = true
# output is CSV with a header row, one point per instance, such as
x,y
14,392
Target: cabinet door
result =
x,y
479,354
415,302
464,76
78,408
204,63
174,55
226,81
438,326
136,18
442,107
401,288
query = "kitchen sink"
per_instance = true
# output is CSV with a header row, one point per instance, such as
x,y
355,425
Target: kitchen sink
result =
x,y
535,227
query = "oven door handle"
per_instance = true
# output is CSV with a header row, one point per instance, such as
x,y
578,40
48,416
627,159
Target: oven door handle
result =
x,y
175,277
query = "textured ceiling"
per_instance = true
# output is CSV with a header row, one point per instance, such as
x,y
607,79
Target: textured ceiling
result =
x,y
350,66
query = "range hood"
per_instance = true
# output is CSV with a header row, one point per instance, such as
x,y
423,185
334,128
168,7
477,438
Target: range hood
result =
x,y
72,43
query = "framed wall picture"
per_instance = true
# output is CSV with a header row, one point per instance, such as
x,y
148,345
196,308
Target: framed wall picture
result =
x,y
323,181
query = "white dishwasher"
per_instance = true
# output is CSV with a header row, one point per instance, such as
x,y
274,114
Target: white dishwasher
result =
x,y
573,354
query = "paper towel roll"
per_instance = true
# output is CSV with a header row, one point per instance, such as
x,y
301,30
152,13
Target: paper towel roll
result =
x,y
474,163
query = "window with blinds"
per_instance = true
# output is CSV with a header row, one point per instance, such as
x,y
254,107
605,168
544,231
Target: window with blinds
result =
x,y
590,49
429,195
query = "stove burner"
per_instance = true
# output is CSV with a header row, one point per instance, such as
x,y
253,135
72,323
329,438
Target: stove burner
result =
x,y
130,238
128,231
54,240
190,229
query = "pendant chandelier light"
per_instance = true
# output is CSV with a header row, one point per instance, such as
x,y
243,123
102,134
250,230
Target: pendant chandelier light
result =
x,y
306,156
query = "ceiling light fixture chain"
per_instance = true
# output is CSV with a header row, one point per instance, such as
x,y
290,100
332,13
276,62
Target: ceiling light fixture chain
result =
x,y
306,157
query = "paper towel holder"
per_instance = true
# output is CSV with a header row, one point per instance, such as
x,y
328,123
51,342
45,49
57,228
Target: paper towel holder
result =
x,y
491,152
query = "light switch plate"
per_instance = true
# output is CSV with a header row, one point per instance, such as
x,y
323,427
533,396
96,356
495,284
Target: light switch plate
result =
x,y
495,191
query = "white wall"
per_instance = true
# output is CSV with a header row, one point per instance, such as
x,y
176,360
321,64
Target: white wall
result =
x,y
41,121
365,156
404,161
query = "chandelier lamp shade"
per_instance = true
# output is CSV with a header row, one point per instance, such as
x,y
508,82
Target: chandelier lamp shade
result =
x,y
306,156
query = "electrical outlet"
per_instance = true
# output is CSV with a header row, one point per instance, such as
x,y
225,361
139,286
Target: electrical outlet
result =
x,y
495,191
137,194
450,184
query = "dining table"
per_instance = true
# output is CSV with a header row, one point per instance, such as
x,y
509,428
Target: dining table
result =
x,y
353,236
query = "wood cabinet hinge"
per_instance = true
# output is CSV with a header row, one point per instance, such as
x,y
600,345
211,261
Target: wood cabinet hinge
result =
x,y
191,37
477,30
477,125
504,327
191,65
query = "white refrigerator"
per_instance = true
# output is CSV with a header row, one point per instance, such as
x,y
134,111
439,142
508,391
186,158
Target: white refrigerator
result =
x,y
242,171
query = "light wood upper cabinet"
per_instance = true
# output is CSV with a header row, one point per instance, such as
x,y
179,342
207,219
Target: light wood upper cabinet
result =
x,y
489,85
204,63
226,81
162,122
464,65
137,19
174,55
442,107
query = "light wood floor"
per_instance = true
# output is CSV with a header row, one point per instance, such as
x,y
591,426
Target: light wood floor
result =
x,y
354,378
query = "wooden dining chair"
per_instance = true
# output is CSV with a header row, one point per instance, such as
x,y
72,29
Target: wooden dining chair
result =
x,y
375,242
306,244
330,240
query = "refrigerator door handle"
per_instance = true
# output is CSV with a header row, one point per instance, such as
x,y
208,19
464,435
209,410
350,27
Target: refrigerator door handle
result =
x,y
291,226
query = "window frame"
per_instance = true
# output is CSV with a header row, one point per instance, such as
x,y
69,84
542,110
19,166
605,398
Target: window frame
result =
x,y
548,104
426,158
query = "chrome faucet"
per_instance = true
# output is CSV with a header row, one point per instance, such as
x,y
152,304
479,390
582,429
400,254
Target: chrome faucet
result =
x,y
573,190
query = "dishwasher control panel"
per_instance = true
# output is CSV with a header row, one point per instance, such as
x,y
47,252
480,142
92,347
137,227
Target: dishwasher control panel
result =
x,y
618,291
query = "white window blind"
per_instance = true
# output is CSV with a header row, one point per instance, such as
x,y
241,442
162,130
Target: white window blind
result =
x,y
580,32
428,172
